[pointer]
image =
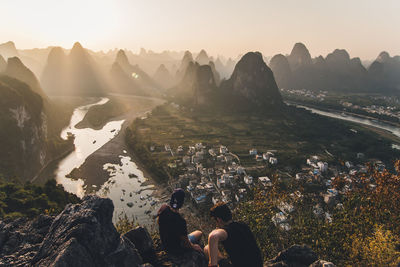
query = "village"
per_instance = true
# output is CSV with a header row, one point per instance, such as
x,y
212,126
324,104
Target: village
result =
x,y
214,174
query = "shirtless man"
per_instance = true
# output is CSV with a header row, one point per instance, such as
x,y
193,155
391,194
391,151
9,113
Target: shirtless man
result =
x,y
236,238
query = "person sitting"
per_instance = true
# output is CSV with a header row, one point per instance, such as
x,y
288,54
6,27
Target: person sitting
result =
x,y
236,238
173,229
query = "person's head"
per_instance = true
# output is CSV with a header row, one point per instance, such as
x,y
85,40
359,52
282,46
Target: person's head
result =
x,y
221,213
177,198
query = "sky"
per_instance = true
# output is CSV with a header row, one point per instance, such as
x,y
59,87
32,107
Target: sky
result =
x,y
222,27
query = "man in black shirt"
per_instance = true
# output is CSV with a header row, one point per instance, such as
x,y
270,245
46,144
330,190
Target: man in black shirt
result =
x,y
236,238
173,228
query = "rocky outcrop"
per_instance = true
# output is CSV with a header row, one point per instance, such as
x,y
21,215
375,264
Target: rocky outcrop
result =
x,y
21,239
297,256
23,129
83,235
252,84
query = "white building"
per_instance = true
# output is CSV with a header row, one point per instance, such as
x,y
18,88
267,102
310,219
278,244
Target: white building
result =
x,y
265,181
348,164
248,180
323,166
223,149
273,160
253,151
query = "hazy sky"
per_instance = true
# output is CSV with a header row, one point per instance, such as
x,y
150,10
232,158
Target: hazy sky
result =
x,y
228,27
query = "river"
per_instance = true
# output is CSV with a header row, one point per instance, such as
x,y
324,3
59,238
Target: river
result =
x,y
125,184
348,117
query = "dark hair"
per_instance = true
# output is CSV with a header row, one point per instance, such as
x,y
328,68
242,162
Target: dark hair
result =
x,y
222,211
177,198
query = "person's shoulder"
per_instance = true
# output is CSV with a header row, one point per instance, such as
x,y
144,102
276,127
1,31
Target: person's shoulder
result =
x,y
241,224
162,209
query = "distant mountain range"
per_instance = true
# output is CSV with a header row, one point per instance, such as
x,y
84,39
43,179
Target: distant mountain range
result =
x,y
29,131
336,72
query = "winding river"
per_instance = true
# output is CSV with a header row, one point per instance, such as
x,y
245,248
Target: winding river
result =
x,y
348,117
125,186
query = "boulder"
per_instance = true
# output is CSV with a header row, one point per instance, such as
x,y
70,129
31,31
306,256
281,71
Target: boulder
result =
x,y
296,255
20,239
83,235
143,242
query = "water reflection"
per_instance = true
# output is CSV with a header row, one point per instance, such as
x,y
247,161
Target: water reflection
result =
x,y
130,196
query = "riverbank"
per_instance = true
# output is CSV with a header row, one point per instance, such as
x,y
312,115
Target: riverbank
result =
x,y
289,102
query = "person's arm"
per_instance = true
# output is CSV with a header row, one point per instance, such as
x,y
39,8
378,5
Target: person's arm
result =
x,y
185,240
187,244
214,238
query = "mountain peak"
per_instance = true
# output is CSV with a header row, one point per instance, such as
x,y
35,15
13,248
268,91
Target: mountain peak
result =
x,y
8,50
15,68
9,44
383,57
162,68
299,56
121,58
338,55
14,62
253,80
279,64
78,51
77,45
56,54
202,58
187,56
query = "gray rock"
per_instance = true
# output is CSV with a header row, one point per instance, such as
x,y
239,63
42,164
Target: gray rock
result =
x,y
296,256
20,239
83,235
141,238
